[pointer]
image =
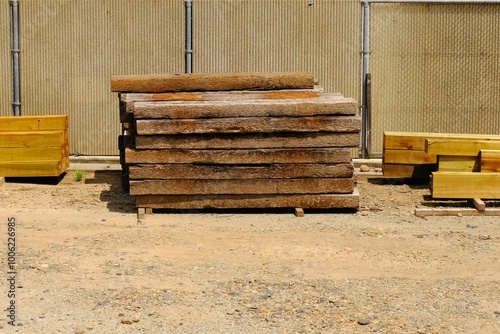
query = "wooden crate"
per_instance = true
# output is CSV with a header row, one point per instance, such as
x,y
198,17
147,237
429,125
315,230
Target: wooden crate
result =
x,y
33,146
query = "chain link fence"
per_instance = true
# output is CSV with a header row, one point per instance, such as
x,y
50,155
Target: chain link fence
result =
x,y
434,68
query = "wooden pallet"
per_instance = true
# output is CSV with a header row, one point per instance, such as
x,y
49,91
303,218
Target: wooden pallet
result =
x,y
479,209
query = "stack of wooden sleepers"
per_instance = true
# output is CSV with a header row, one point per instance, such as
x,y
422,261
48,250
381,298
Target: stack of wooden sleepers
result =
x,y
33,146
236,140
462,166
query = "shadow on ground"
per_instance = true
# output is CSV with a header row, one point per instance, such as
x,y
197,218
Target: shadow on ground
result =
x,y
117,198
47,180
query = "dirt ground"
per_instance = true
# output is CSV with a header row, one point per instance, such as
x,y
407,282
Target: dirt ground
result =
x,y
84,264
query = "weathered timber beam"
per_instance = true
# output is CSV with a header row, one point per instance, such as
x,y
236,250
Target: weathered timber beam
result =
x,y
490,161
258,140
156,83
243,186
246,108
235,95
220,172
408,157
247,156
462,147
309,201
250,125
458,163
465,185
33,123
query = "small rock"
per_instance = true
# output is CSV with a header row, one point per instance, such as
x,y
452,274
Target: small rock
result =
x,y
136,319
79,331
363,321
364,168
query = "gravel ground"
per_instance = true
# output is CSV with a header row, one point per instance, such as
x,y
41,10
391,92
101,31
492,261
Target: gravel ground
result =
x,y
86,265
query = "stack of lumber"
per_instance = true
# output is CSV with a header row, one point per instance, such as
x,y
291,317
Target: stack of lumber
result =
x,y
244,140
464,166
33,146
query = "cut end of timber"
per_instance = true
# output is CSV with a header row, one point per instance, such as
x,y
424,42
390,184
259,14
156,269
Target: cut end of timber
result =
x,y
299,212
2,180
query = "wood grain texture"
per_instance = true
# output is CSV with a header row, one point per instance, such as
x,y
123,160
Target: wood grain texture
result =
x,y
244,156
465,185
458,163
157,83
489,161
416,140
32,153
235,95
221,172
258,140
33,123
323,105
319,201
408,171
32,139
32,168
408,157
242,186
249,125
454,146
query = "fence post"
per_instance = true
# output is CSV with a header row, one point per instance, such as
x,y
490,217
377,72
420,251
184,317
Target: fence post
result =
x,y
189,36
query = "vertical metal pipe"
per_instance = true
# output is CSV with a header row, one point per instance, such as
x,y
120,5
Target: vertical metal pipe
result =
x,y
16,75
364,71
189,36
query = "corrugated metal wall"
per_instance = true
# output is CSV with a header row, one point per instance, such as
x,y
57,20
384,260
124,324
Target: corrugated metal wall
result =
x,y
5,61
435,68
70,49
320,36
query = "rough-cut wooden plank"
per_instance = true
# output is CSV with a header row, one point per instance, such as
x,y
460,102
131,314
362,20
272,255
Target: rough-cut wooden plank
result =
x,y
33,123
32,139
323,201
242,186
465,185
323,105
31,153
456,212
408,157
478,204
459,146
457,163
249,125
408,171
249,156
220,172
31,168
235,95
416,140
258,140
490,161
157,83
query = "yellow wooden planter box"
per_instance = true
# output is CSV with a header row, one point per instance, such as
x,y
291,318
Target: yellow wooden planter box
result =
x,y
33,145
